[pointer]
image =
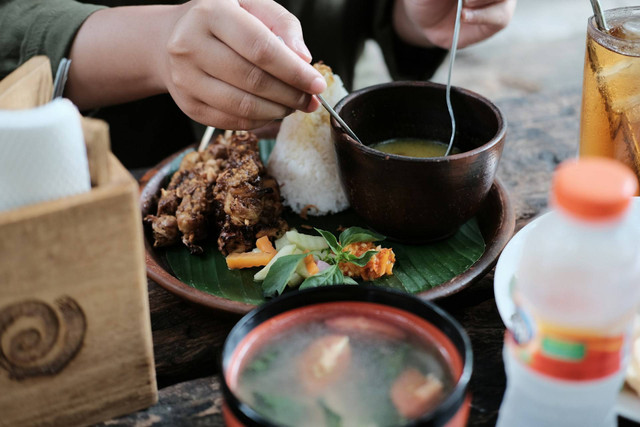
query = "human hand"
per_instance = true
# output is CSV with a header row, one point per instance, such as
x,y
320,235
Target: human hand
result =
x,y
225,66
431,22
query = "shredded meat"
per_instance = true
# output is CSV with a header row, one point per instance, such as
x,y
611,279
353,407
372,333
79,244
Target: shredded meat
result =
x,y
224,189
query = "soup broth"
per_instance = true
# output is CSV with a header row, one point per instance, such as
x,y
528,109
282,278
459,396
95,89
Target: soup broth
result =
x,y
414,147
327,373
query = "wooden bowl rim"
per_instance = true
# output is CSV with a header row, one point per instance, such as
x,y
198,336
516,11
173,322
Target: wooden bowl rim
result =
x,y
496,238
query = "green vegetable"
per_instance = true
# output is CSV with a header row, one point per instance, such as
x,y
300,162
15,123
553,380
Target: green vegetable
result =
x,y
262,362
358,234
331,240
306,242
281,409
331,419
262,274
418,267
280,273
330,276
295,278
291,272
282,242
342,255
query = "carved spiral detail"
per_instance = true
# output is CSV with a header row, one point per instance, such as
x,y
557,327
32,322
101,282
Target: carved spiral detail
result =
x,y
35,341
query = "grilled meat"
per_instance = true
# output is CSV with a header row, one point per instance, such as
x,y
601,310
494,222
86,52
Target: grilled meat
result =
x,y
224,189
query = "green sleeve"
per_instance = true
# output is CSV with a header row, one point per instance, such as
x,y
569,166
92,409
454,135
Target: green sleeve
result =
x,y
335,31
38,27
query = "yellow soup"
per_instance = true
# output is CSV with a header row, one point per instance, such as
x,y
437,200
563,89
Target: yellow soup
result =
x,y
414,147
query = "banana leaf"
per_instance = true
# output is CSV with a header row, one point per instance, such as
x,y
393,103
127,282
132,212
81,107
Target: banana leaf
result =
x,y
417,268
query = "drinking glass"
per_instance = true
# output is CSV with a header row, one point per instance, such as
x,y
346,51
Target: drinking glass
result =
x,y
610,119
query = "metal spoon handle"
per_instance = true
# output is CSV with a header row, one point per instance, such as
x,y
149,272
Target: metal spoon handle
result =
x,y
338,118
452,58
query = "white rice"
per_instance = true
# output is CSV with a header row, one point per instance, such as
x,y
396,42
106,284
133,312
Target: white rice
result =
x,y
303,159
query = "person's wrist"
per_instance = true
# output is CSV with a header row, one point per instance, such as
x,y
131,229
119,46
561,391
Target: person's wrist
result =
x,y
163,22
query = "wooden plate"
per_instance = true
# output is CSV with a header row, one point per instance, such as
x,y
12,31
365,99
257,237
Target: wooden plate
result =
x,y
496,220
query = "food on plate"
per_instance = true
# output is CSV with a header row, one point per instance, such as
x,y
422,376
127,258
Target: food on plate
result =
x,y
310,261
258,257
223,190
314,375
248,198
303,159
380,264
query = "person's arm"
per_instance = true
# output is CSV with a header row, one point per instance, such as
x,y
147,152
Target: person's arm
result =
x,y
36,27
222,61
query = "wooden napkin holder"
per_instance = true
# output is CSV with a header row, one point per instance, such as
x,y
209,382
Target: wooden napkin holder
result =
x,y
75,332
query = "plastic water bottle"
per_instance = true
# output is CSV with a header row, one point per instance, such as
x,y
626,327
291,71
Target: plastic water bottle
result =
x,y
577,287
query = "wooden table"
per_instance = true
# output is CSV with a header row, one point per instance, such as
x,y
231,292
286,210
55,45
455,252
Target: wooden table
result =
x,y
543,131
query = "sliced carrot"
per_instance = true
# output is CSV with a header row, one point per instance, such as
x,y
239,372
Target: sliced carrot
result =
x,y
249,259
264,244
324,362
310,264
414,394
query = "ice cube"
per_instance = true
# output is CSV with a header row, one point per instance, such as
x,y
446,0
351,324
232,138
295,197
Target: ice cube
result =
x,y
629,105
620,82
630,30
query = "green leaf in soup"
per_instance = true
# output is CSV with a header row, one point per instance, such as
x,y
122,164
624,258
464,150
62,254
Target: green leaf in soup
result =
x,y
262,363
280,273
329,277
361,260
331,240
331,419
392,361
280,409
359,234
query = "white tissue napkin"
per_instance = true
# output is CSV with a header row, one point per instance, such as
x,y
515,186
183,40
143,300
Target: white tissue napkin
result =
x,y
42,154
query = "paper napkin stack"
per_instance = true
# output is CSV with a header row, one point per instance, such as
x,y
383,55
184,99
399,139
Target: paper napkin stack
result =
x,y
42,154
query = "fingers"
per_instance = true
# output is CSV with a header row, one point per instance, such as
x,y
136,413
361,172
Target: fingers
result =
x,y
197,85
281,22
254,41
207,115
227,66
488,12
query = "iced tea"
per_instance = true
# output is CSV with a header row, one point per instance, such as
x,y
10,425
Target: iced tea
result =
x,y
610,122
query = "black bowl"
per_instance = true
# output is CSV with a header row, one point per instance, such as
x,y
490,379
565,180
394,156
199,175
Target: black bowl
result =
x,y
409,199
295,308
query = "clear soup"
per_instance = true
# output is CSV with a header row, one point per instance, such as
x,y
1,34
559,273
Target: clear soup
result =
x,y
349,370
414,147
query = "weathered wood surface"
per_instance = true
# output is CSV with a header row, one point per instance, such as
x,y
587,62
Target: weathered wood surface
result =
x,y
543,130
75,334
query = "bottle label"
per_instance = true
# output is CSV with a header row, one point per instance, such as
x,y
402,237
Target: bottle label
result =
x,y
570,355
565,353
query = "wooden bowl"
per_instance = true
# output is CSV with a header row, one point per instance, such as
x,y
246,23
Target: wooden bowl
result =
x,y
496,220
409,199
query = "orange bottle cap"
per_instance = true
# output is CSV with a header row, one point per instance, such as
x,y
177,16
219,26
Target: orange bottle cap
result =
x,y
593,188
